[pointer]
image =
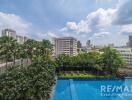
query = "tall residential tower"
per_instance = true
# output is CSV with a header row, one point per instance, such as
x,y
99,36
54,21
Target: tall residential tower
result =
x,y
65,45
130,41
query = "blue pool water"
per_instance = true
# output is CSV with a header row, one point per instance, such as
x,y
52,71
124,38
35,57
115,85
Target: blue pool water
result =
x,y
93,90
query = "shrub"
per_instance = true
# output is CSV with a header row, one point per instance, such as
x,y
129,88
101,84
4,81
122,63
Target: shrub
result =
x,y
31,83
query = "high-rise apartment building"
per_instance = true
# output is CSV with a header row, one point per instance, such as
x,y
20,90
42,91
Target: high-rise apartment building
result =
x,y
12,33
130,41
9,33
79,44
65,45
88,44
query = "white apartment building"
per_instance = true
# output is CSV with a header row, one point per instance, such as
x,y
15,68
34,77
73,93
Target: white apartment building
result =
x,y
65,45
12,33
126,53
9,33
21,39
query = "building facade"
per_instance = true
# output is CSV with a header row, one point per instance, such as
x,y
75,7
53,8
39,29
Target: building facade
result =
x,y
88,44
126,53
79,44
9,33
65,45
130,41
21,39
12,33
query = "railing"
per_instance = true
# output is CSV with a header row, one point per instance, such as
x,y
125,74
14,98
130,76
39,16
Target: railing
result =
x,y
4,66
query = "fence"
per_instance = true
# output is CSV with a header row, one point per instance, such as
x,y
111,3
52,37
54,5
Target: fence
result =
x,y
4,66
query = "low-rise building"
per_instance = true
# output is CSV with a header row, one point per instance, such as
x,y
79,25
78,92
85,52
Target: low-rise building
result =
x,y
126,53
86,49
21,39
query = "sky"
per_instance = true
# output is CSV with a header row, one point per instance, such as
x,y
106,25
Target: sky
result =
x,y
101,21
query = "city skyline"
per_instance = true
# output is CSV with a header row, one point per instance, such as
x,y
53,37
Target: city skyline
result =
x,y
107,21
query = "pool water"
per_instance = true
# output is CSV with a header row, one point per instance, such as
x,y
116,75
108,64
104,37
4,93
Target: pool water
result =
x,y
93,89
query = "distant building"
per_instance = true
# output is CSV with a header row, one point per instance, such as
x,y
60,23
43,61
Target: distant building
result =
x,y
66,45
98,47
79,45
130,41
126,53
111,45
86,49
12,33
127,44
21,39
88,44
9,33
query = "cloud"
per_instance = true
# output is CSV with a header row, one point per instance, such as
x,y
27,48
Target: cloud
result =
x,y
47,35
95,25
72,26
124,13
14,22
103,1
96,21
101,18
123,18
52,34
126,29
81,27
101,34
21,26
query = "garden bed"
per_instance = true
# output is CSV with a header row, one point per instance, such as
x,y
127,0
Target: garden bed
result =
x,y
81,75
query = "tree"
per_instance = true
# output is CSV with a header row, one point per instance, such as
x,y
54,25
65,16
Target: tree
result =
x,y
28,83
7,48
38,49
111,60
30,46
22,51
33,82
107,61
63,60
14,50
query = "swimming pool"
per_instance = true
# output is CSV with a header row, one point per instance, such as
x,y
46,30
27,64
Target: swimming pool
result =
x,y
92,89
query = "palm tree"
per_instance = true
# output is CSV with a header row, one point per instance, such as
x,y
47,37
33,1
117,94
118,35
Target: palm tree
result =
x,y
30,45
15,47
7,48
22,53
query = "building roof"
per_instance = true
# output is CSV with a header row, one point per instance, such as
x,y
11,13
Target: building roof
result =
x,y
60,38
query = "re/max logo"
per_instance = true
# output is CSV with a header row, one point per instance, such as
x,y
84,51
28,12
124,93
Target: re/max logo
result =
x,y
113,88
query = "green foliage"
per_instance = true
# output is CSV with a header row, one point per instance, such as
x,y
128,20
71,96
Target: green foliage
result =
x,y
85,77
31,83
107,60
111,60
63,60
38,49
7,48
81,75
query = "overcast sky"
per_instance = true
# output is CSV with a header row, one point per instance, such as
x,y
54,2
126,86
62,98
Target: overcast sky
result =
x,y
101,21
